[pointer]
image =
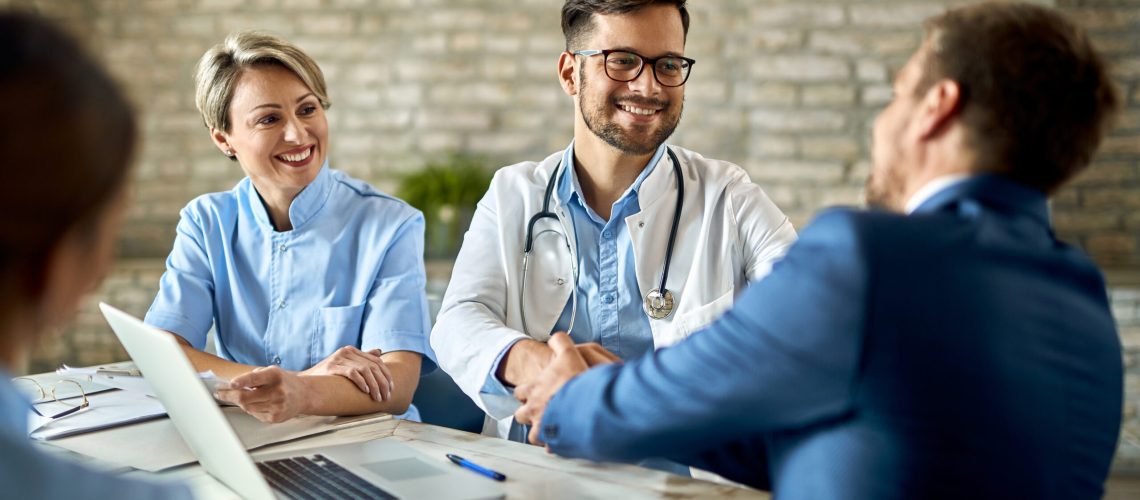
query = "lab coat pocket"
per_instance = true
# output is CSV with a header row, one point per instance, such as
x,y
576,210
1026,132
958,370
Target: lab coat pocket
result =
x,y
336,328
698,318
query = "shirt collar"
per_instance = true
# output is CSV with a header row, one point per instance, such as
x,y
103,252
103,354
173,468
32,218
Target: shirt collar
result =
x,y
568,185
305,205
935,186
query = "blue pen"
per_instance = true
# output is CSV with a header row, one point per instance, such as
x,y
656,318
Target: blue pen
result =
x,y
463,462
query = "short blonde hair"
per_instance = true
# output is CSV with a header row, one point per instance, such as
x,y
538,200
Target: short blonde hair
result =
x,y
218,71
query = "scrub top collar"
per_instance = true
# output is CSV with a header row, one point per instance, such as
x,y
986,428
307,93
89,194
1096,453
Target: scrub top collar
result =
x,y
569,187
305,206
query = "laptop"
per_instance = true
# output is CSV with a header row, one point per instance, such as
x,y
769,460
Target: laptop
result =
x,y
376,469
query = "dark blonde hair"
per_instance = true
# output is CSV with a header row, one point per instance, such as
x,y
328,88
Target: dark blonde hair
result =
x,y
221,66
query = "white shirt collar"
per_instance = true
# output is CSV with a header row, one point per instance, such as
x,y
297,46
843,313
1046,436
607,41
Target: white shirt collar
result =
x,y
932,188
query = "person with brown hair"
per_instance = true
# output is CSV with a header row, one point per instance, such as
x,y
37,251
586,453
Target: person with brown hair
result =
x,y
67,120
620,239
946,345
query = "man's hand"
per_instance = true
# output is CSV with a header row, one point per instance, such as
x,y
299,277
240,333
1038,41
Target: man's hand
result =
x,y
523,361
528,357
365,369
270,394
567,362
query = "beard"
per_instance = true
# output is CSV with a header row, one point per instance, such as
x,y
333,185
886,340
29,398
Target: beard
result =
x,y
877,195
629,142
885,187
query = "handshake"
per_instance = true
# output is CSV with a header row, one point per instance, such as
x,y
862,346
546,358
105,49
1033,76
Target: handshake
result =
x,y
539,370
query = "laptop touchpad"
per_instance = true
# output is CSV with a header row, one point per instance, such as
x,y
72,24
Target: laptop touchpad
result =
x,y
402,469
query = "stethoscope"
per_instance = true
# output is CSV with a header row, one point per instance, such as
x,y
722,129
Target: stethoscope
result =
x,y
658,302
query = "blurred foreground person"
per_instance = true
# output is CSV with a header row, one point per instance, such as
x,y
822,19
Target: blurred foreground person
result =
x,y
68,139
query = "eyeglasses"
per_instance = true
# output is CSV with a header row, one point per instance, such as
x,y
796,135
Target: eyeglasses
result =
x,y
626,66
43,396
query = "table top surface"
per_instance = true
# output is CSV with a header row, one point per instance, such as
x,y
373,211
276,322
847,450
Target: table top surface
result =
x,y
531,471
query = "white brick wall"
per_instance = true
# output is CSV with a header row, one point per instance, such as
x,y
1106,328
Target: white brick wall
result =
x,y
787,89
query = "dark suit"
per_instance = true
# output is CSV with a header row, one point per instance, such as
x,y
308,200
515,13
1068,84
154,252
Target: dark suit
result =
x,y
957,352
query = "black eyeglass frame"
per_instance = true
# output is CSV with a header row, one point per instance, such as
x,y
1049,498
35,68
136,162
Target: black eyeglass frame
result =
x,y
645,61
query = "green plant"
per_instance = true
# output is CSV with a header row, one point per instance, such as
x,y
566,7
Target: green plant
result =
x,y
446,192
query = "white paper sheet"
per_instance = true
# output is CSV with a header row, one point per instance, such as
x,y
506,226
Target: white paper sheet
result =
x,y
129,379
106,409
156,445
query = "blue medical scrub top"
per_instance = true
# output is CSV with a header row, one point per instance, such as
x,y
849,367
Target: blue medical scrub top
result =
x,y
350,272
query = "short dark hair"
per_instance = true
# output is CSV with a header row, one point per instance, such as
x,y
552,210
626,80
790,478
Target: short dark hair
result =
x,y
1037,97
578,15
69,139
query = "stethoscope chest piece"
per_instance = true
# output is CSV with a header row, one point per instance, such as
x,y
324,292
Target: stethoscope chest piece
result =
x,y
659,305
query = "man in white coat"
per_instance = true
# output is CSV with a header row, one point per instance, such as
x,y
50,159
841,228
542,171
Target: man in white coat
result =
x,y
620,239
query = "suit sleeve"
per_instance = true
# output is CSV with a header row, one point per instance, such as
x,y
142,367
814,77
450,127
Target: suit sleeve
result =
x,y
784,357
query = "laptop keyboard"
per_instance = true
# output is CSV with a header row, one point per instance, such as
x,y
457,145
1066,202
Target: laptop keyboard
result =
x,y
317,477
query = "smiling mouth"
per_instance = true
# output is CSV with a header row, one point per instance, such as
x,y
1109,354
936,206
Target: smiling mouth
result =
x,y
637,110
297,157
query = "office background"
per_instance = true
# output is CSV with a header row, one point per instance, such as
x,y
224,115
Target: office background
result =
x,y
786,88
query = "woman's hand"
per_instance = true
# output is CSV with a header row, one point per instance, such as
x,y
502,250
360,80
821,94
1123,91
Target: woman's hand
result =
x,y
365,369
270,394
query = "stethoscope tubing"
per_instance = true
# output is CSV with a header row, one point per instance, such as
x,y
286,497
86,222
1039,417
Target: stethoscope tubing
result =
x,y
528,241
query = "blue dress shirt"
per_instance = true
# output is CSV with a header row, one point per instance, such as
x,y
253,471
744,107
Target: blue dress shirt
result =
x,y
350,272
610,308
609,300
27,473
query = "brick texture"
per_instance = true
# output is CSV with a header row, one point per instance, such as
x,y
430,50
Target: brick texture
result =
x,y
787,89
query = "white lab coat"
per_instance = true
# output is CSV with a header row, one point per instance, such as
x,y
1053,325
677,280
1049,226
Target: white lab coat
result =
x,y
729,233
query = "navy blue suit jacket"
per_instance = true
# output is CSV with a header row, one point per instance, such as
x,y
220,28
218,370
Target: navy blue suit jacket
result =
x,y
957,352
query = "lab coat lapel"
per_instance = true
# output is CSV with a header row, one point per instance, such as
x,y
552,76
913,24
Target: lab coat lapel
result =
x,y
649,232
547,304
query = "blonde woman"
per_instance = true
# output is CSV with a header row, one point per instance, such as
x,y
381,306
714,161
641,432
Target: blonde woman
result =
x,y
312,280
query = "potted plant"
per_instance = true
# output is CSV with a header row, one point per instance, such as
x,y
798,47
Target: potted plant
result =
x,y
446,192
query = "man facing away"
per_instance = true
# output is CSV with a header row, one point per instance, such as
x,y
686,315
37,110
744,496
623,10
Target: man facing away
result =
x,y
620,239
948,347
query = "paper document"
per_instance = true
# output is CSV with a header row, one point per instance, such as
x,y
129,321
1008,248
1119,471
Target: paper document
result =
x,y
130,379
106,409
156,445
66,390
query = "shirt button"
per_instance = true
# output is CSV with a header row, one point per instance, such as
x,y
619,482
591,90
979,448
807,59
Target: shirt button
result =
x,y
282,247
608,298
277,360
281,305
607,234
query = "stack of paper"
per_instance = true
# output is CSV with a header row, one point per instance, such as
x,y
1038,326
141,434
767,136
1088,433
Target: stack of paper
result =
x,y
134,401
157,445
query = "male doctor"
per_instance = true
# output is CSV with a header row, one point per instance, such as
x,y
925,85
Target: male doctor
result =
x,y
946,347
620,239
